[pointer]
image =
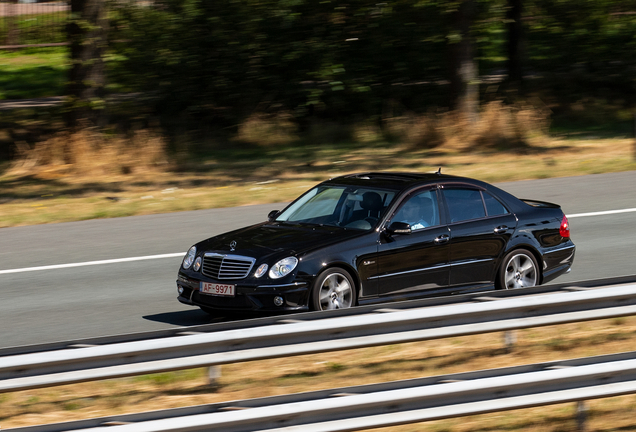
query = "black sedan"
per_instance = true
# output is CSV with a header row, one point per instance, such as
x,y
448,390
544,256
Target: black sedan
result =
x,y
376,237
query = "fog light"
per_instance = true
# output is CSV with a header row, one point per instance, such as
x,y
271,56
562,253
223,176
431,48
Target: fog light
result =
x,y
278,301
180,289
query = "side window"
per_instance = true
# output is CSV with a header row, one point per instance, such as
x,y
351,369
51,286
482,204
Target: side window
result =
x,y
464,204
493,206
420,211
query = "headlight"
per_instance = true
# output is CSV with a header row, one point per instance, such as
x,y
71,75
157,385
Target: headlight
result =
x,y
189,258
283,267
197,264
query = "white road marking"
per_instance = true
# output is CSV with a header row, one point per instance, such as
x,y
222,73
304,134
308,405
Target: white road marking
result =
x,y
602,213
89,263
180,254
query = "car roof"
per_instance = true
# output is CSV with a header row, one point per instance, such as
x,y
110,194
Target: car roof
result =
x,y
392,180
403,181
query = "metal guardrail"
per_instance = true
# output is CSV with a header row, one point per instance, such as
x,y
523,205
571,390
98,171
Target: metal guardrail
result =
x,y
383,326
252,322
392,403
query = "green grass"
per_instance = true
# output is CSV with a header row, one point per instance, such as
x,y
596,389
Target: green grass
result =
x,y
171,377
33,73
41,72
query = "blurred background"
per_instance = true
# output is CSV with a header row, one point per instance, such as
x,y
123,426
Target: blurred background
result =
x,y
192,93
219,64
120,108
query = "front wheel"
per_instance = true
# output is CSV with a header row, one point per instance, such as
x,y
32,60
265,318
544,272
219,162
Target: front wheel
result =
x,y
519,269
333,289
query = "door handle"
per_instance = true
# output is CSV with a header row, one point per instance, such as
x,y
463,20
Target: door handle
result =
x,y
442,239
501,229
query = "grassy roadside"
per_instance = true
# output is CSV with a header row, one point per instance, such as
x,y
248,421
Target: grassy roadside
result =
x,y
355,367
256,175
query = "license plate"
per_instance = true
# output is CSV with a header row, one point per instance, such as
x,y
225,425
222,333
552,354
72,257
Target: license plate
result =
x,y
217,289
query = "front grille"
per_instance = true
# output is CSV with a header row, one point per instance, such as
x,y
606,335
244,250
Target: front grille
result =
x,y
221,267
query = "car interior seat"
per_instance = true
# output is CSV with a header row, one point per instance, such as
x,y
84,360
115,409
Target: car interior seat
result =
x,y
372,203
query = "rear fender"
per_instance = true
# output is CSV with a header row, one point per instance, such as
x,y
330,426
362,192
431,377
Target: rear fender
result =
x,y
530,248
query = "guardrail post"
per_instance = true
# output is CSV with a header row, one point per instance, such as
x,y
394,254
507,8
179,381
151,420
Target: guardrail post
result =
x,y
581,416
214,373
510,338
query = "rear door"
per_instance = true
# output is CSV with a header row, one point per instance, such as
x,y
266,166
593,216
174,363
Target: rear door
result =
x,y
480,227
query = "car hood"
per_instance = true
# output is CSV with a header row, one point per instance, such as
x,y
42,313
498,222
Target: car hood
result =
x,y
269,238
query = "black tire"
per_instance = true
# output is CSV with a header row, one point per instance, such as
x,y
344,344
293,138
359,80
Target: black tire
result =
x,y
333,289
519,269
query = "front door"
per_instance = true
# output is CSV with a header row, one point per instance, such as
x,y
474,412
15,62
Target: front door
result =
x,y
410,263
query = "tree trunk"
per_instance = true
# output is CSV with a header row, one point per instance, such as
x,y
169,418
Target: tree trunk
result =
x,y
513,17
87,39
464,74
11,22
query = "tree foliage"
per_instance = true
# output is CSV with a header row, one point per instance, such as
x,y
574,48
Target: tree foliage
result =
x,y
222,60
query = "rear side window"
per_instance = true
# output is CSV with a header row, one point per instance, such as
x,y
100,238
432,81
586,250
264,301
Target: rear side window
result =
x,y
493,206
468,204
464,204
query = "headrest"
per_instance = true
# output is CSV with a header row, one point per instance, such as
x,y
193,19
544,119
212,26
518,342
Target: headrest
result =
x,y
371,201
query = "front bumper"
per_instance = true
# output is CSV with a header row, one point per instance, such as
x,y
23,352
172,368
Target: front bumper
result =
x,y
248,297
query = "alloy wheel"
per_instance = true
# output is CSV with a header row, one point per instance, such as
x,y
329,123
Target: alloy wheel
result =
x,y
336,292
521,272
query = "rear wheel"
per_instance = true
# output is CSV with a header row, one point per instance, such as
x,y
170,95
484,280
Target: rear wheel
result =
x,y
333,289
519,269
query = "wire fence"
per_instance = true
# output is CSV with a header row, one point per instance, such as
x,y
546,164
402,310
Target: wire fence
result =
x,y
25,23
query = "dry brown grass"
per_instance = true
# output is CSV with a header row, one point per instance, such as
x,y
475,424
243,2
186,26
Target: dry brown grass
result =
x,y
265,130
356,367
59,193
88,175
89,154
497,126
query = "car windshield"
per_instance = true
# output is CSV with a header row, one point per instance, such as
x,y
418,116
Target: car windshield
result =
x,y
344,206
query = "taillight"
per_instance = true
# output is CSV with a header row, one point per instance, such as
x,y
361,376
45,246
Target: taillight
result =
x,y
564,229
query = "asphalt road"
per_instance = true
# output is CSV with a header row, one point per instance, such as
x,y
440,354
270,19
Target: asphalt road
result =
x,y
62,303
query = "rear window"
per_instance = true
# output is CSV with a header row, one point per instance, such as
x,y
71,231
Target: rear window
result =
x,y
464,204
469,204
493,206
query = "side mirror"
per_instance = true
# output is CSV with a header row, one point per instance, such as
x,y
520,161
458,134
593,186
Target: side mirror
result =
x,y
399,228
272,215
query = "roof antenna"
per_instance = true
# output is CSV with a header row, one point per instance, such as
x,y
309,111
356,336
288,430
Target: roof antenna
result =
x,y
439,171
